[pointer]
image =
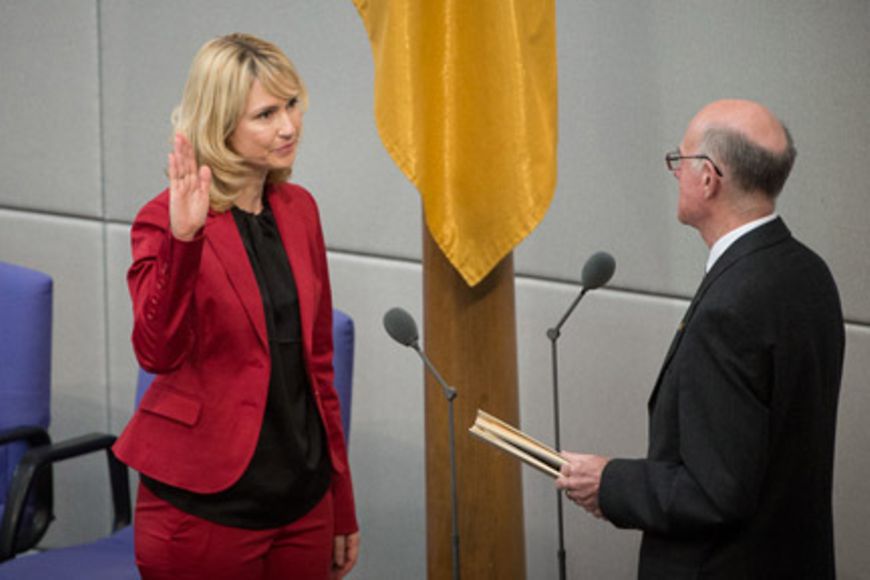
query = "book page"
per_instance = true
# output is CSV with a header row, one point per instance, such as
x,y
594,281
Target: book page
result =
x,y
519,439
512,440
516,452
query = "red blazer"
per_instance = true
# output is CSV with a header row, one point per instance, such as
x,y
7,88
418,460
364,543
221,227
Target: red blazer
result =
x,y
199,324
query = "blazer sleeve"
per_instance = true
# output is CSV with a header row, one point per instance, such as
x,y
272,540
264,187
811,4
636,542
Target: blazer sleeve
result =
x,y
322,369
161,281
715,427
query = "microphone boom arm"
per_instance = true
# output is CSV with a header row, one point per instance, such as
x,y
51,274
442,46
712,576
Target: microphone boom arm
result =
x,y
449,392
553,333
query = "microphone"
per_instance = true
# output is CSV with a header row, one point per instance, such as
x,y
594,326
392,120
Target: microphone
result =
x,y
597,271
401,327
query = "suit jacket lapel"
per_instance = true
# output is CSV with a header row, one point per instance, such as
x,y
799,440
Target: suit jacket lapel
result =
x,y
224,238
675,342
294,234
761,237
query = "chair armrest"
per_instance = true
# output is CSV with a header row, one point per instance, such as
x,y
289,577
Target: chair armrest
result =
x,y
32,434
38,508
39,458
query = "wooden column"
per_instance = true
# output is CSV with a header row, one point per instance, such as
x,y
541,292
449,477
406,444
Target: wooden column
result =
x,y
470,335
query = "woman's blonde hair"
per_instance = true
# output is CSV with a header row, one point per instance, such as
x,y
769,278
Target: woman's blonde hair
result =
x,y
214,99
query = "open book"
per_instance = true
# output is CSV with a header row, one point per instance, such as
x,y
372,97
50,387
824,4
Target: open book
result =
x,y
507,438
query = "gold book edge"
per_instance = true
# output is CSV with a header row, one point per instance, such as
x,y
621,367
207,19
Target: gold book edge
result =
x,y
513,441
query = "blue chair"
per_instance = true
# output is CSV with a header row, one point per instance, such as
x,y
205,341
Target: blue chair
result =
x,y
343,339
107,558
25,378
112,558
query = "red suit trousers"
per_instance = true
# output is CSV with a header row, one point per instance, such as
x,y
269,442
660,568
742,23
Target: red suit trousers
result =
x,y
174,545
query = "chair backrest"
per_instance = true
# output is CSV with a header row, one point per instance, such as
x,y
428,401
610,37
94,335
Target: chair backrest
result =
x,y
343,338
25,359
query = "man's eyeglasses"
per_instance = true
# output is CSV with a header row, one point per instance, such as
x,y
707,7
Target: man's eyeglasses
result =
x,y
672,160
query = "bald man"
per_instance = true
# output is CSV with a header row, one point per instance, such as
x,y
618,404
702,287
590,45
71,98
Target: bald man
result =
x,y
737,479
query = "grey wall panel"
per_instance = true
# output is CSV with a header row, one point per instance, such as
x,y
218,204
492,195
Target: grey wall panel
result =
x,y
49,116
852,467
613,192
630,79
341,159
70,251
367,205
609,353
387,433
122,369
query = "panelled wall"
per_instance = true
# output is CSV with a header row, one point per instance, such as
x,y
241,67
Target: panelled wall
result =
x,y
86,88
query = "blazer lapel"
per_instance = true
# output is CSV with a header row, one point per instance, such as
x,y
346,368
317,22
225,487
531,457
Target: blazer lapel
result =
x,y
294,234
770,233
678,336
224,238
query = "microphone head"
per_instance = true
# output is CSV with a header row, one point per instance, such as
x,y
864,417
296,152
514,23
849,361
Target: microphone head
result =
x,y
597,270
401,326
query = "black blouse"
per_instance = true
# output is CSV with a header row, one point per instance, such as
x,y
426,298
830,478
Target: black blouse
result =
x,y
290,470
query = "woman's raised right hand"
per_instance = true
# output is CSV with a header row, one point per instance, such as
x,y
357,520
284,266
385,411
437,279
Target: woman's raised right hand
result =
x,y
188,190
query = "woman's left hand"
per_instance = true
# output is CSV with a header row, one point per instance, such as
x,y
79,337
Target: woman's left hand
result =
x,y
346,550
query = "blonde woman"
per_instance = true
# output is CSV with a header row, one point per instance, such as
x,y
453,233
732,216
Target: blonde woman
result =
x,y
238,440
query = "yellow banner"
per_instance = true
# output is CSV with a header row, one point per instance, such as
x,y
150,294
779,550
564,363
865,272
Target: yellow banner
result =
x,y
466,105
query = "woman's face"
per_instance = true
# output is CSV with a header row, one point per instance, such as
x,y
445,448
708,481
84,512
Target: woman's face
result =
x,y
268,131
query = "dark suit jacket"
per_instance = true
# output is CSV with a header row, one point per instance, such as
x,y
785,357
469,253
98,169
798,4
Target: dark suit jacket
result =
x,y
199,324
737,479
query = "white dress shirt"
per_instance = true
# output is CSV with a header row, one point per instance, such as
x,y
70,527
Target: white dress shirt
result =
x,y
725,241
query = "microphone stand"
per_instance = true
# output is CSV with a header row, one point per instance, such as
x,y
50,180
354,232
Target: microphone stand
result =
x,y
449,394
553,334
